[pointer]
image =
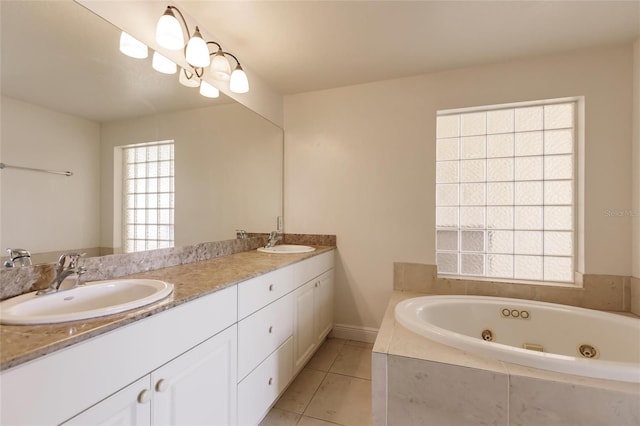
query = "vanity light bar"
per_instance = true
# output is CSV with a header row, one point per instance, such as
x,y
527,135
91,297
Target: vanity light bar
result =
x,y
169,34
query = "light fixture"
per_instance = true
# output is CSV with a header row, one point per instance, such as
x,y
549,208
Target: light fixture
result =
x,y
162,64
197,53
188,79
132,47
208,90
169,31
220,67
239,82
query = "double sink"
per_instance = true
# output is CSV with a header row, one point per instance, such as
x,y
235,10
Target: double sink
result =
x,y
98,298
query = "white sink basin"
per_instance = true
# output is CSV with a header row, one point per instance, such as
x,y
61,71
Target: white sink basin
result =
x,y
95,299
287,249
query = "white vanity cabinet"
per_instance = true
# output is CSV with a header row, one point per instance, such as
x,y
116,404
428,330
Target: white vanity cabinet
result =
x,y
196,388
267,336
265,356
178,345
129,407
313,308
220,359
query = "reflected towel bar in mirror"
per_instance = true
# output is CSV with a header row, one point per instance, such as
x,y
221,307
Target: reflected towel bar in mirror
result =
x,y
55,172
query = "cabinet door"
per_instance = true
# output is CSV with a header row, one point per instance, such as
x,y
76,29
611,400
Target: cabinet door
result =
x,y
198,387
304,338
128,407
323,301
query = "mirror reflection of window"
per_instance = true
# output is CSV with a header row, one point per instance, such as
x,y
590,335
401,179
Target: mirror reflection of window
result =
x,y
148,196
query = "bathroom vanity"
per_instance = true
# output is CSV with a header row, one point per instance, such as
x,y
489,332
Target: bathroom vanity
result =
x,y
219,351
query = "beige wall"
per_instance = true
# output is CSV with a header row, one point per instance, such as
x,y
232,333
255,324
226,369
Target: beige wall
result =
x,y
228,171
44,212
359,162
635,162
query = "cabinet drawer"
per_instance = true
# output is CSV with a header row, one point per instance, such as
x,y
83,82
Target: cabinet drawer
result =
x,y
257,292
312,267
260,389
261,333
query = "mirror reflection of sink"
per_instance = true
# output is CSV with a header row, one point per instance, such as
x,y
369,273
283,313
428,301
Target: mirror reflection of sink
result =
x,y
287,249
94,299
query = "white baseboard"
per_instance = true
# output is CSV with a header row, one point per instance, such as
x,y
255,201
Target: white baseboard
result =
x,y
353,332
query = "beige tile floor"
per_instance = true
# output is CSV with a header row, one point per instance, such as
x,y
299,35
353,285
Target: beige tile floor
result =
x,y
334,388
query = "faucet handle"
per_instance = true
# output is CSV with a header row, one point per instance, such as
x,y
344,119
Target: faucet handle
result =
x,y
18,255
74,258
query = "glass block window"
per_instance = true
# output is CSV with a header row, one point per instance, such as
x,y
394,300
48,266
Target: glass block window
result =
x,y
148,196
505,192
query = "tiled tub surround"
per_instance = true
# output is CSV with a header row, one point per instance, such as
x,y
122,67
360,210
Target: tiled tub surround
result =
x,y
635,295
417,381
602,292
16,281
19,344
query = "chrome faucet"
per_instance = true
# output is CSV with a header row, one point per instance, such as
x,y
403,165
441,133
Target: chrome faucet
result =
x,y
18,257
68,264
274,237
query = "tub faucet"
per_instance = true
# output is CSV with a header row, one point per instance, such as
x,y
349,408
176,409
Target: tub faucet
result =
x,y
274,237
68,264
18,257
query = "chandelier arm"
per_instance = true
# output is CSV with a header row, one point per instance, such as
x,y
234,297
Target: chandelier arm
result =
x,y
188,74
233,56
195,70
217,44
184,21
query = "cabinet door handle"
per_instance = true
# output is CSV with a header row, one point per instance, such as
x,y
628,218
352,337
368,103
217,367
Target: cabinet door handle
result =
x,y
270,329
270,380
317,284
162,385
270,287
144,396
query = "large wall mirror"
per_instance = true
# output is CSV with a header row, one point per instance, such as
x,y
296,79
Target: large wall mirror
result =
x,y
71,101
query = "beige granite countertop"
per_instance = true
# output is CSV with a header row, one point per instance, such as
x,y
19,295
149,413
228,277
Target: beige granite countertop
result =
x,y
394,339
21,343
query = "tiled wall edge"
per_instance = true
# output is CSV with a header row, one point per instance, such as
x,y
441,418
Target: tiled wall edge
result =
x,y
16,281
603,292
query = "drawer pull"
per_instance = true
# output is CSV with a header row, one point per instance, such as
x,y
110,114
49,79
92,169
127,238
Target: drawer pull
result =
x,y
162,385
270,329
270,287
270,380
144,396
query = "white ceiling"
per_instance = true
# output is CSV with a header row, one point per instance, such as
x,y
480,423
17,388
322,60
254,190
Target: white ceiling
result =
x,y
299,46
59,55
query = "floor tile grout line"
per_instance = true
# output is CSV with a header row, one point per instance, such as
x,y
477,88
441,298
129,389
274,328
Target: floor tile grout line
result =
x,y
348,375
326,373
318,418
341,343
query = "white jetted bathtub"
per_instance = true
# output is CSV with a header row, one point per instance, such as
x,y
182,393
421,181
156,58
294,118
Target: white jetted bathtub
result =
x,y
536,334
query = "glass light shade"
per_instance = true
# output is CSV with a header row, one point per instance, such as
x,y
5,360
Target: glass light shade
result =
x,y
132,47
208,90
220,67
197,51
239,82
169,31
188,79
163,64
